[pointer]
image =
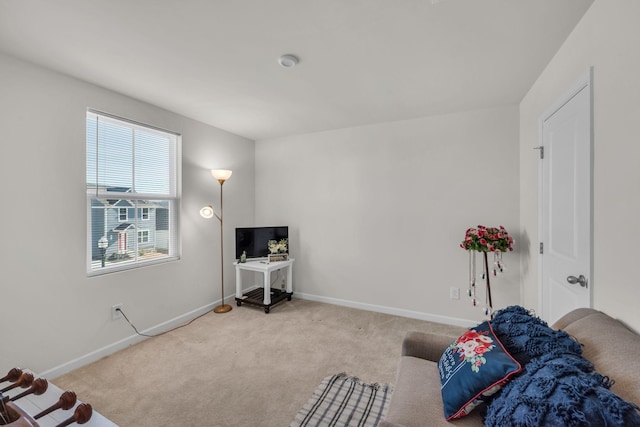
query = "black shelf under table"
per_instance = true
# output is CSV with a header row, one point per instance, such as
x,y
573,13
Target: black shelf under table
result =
x,y
256,297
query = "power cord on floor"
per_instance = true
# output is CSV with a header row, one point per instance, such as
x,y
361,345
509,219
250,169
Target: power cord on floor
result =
x,y
161,333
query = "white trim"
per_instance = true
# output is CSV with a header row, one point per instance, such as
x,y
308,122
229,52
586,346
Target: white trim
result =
x,y
141,216
126,266
134,339
144,230
389,310
126,214
124,343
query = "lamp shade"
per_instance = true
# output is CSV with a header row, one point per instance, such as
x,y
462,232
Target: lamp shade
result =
x,y
206,212
221,174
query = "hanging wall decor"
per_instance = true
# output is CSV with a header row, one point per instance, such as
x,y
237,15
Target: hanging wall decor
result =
x,y
485,239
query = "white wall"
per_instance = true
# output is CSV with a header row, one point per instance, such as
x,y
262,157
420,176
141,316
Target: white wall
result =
x,y
376,213
51,313
607,39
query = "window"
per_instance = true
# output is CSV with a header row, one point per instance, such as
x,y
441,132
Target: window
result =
x,y
132,176
143,236
122,214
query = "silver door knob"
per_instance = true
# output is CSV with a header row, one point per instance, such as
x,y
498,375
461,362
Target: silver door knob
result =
x,y
581,280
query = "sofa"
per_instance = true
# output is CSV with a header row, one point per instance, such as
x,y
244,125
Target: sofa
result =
x,y
609,345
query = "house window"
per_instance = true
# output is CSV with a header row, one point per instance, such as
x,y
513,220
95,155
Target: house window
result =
x,y
132,176
143,236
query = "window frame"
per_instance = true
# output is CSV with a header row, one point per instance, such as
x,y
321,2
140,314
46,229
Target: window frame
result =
x,y
142,215
126,214
171,202
141,234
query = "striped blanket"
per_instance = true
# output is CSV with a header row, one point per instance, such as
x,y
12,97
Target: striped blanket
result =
x,y
343,401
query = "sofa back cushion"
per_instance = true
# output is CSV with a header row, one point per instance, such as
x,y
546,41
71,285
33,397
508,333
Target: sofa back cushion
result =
x,y
613,349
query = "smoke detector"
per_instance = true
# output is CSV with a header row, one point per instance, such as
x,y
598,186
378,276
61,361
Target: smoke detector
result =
x,y
288,61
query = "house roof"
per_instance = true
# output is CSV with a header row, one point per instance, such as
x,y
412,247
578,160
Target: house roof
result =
x,y
123,227
361,61
120,203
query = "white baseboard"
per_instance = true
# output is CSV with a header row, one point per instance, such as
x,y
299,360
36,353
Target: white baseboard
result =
x,y
134,339
126,342
389,310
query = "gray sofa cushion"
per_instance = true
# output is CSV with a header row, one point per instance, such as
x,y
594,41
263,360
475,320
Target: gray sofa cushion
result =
x,y
613,349
416,399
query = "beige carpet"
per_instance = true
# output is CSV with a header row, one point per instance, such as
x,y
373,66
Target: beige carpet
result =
x,y
245,367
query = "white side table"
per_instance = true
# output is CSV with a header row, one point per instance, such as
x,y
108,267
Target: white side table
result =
x,y
265,296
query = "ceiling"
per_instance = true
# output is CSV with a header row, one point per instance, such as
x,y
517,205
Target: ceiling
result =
x,y
361,61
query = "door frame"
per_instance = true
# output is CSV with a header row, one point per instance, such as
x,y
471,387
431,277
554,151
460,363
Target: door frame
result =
x,y
584,81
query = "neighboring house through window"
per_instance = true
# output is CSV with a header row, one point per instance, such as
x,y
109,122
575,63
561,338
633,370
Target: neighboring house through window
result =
x,y
132,177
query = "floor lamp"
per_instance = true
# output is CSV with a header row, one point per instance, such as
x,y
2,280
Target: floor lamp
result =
x,y
208,212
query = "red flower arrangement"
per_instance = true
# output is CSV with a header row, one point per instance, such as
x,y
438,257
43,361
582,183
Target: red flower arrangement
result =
x,y
487,239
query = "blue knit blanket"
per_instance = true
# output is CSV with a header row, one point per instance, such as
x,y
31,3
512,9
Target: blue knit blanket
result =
x,y
557,386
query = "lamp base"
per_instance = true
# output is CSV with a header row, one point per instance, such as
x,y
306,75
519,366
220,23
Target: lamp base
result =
x,y
224,308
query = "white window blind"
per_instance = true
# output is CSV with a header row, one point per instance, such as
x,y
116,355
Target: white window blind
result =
x,y
132,176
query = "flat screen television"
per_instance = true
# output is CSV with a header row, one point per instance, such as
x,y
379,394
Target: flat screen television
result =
x,y
255,240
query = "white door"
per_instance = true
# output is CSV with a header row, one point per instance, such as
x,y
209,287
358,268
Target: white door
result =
x,y
565,204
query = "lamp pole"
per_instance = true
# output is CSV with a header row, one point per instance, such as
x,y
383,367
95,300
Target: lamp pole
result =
x,y
207,212
222,308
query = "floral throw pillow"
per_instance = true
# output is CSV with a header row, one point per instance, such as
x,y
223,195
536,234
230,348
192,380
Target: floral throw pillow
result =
x,y
473,368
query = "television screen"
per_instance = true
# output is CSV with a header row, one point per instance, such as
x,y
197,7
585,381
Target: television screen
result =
x,y
254,240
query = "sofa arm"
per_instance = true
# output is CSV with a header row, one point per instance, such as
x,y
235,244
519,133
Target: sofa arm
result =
x,y
425,345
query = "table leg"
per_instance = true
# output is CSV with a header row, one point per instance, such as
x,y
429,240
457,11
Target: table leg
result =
x,y
238,283
290,278
267,288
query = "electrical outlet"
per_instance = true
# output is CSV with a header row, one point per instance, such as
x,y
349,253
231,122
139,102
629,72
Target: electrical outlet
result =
x,y
454,293
115,311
